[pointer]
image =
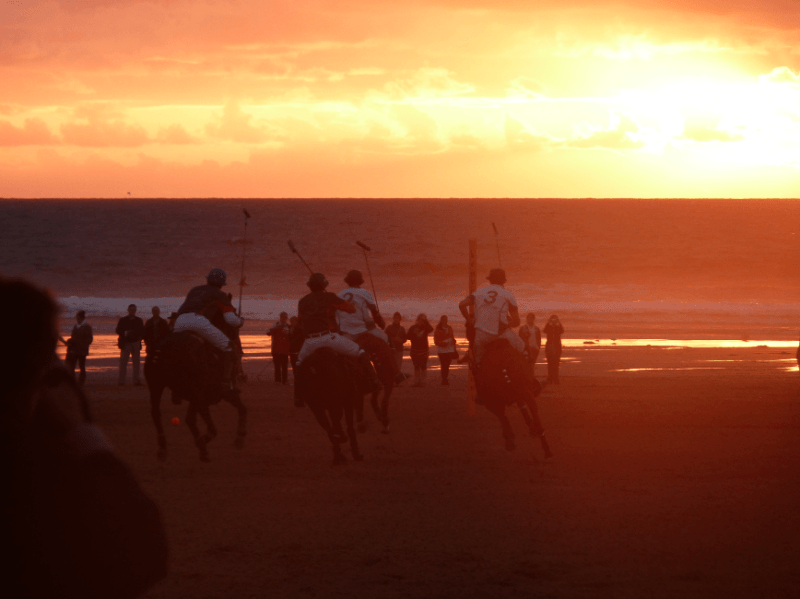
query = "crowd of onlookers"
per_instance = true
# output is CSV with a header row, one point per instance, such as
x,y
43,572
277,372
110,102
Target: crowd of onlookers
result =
x,y
287,339
131,332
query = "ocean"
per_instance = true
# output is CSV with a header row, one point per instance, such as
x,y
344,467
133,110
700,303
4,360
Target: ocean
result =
x,y
715,269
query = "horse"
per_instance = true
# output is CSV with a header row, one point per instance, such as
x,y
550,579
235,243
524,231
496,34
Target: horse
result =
x,y
382,358
190,367
331,386
504,378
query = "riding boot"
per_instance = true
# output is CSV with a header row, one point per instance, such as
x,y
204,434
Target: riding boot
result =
x,y
369,372
228,362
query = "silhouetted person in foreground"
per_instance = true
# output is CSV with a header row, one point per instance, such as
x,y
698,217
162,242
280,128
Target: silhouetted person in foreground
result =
x,y
552,348
75,522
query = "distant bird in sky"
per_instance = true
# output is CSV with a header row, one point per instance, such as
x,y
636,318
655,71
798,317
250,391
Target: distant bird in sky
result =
x,y
129,193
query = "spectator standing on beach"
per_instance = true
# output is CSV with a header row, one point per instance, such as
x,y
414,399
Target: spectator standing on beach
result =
x,y
75,522
78,346
397,337
445,342
281,348
532,336
552,348
130,329
155,329
418,336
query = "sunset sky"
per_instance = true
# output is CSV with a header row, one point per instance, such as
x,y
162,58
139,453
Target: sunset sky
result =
x,y
357,98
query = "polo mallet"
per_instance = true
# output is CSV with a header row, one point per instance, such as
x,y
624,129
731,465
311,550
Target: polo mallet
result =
x,y
294,250
365,248
244,249
497,243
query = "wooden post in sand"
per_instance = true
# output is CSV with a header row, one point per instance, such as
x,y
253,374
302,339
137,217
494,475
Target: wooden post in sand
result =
x,y
473,286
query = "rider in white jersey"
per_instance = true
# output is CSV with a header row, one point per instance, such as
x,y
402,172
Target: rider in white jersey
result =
x,y
496,313
366,315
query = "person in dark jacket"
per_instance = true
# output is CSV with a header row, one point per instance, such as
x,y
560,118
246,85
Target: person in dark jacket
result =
x,y
78,346
317,317
552,348
155,329
397,337
532,336
207,310
280,348
75,522
418,336
130,330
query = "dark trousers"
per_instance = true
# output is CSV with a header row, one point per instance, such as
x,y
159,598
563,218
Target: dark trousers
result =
x,y
129,350
293,360
80,362
533,355
445,360
281,364
553,355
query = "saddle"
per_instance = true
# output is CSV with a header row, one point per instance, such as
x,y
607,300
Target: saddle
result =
x,y
326,371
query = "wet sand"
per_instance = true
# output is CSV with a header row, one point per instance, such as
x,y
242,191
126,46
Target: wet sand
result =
x,y
682,482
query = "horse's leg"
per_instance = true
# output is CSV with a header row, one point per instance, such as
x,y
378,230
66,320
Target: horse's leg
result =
x,y
211,429
155,413
322,418
373,400
384,411
348,414
199,440
499,409
241,427
336,423
359,412
530,413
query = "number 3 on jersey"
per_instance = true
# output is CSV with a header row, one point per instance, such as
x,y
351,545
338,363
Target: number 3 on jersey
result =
x,y
491,297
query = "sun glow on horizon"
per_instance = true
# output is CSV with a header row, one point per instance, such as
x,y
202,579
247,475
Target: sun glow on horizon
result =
x,y
374,104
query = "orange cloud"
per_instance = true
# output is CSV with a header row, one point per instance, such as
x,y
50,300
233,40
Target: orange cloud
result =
x,y
177,135
456,90
104,134
236,125
33,133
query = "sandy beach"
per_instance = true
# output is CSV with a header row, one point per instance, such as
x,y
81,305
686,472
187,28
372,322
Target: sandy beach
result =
x,y
676,474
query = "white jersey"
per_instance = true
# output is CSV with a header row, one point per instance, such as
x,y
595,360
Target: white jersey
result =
x,y
491,308
356,323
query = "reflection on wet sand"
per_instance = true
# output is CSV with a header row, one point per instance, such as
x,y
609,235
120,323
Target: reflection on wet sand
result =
x,y
104,353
